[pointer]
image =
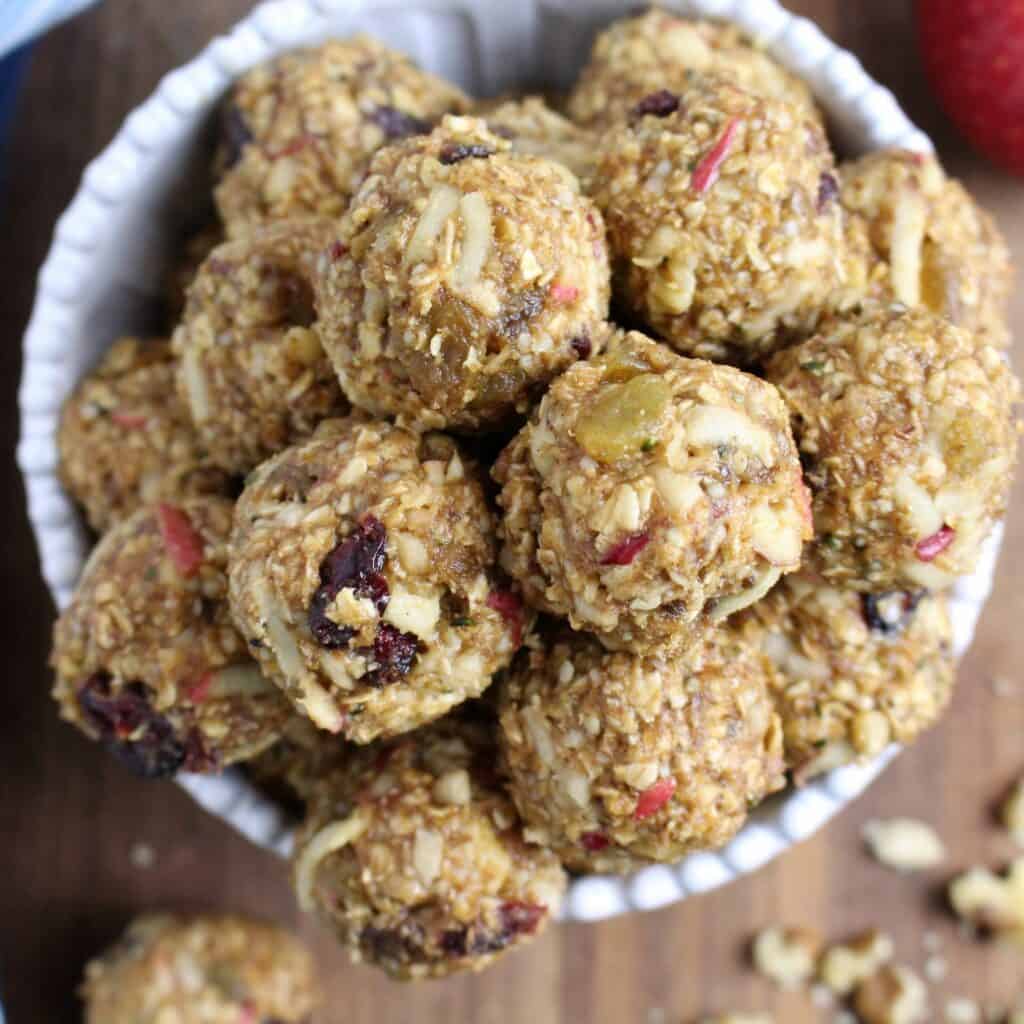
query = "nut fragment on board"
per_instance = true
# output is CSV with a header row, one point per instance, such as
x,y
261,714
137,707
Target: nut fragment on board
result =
x,y
785,955
843,967
1013,813
895,995
994,904
904,844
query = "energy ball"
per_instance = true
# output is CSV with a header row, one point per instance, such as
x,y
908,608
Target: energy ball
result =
x,y
650,495
855,671
125,440
147,659
362,574
415,856
462,279
636,57
252,370
723,219
211,969
533,128
617,759
907,433
940,250
298,132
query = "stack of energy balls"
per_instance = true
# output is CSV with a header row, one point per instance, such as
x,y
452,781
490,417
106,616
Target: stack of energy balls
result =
x,y
694,544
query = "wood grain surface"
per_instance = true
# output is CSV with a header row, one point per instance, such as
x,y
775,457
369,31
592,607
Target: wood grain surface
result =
x,y
75,828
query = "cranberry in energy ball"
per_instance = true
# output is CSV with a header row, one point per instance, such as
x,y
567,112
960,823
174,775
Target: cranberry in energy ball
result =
x,y
415,856
855,671
208,969
298,132
363,576
252,369
616,760
463,277
651,495
723,219
907,432
125,440
148,661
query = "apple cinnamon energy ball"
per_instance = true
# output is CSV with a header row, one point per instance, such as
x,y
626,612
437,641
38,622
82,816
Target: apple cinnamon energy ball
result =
x,y
252,368
533,128
855,671
125,439
209,969
907,433
940,250
147,659
362,576
298,132
415,856
462,278
636,57
618,759
651,494
723,219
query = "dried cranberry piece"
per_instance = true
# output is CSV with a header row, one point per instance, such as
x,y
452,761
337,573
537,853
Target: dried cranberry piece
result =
x,y
931,547
518,918
890,612
235,134
594,841
453,942
129,728
653,798
581,345
828,190
456,152
393,653
509,606
395,124
660,104
357,563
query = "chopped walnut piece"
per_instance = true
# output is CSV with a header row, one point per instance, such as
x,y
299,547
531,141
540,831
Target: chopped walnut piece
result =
x,y
786,955
904,844
845,966
895,995
992,903
1013,813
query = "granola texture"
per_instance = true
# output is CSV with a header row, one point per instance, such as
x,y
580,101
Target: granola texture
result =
x,y
416,858
534,129
252,369
362,575
125,440
855,671
462,278
210,969
635,57
616,760
147,659
298,132
650,495
908,436
940,250
723,219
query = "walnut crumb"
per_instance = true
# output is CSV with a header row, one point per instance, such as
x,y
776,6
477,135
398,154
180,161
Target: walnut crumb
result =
x,y
786,955
962,1011
991,903
904,843
846,965
1013,813
894,995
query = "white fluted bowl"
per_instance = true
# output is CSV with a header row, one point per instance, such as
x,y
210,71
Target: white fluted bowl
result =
x,y
103,275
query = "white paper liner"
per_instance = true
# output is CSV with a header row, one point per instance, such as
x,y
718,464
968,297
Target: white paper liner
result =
x,y
103,276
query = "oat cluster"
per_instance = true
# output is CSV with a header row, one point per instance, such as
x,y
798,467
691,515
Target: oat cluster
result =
x,y
465,392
